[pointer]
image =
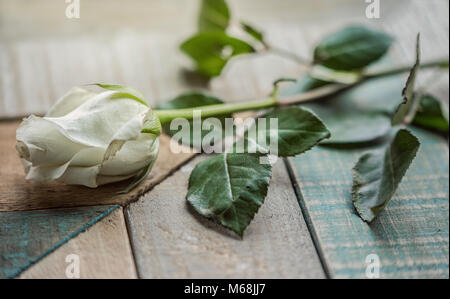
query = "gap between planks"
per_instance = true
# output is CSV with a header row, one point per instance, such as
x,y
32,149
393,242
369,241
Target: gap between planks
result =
x,y
170,240
104,250
307,217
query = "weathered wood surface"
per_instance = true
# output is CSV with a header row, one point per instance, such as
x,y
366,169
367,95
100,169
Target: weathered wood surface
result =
x,y
16,193
28,236
171,241
104,252
411,237
39,63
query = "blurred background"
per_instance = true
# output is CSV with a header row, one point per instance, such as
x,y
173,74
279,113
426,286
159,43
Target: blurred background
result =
x,y
43,53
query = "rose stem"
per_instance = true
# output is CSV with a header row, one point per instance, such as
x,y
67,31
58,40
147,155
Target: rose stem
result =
x,y
165,116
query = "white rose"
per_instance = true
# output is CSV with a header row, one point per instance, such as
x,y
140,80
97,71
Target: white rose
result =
x,y
89,138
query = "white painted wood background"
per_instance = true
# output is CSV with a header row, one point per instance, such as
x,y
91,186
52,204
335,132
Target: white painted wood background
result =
x,y
43,54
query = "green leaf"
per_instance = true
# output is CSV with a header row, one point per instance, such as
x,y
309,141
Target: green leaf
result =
x,y
355,116
350,126
189,100
192,100
352,48
124,91
408,108
229,188
212,50
432,114
214,16
377,174
256,34
298,131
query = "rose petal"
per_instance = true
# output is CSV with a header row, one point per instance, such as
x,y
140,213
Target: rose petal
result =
x,y
70,101
86,176
86,158
95,122
129,131
87,139
42,143
46,173
133,156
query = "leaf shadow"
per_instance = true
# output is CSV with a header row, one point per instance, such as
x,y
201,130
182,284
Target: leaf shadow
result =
x,y
382,227
368,145
194,79
211,224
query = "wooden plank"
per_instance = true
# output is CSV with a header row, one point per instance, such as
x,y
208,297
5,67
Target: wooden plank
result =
x,y
104,252
16,193
171,241
27,237
34,72
411,237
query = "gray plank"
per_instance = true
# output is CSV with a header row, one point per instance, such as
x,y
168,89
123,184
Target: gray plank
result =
x,y
171,241
104,252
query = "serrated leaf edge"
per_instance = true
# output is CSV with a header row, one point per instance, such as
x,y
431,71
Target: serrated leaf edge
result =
x,y
357,178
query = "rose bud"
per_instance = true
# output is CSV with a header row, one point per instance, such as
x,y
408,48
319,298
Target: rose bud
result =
x,y
91,138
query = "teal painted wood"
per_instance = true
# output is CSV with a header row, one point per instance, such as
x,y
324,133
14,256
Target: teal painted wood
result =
x,y
411,237
26,237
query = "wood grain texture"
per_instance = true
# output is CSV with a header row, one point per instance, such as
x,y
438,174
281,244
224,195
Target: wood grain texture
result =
x,y
171,241
143,52
16,193
411,237
42,59
40,62
104,251
28,236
